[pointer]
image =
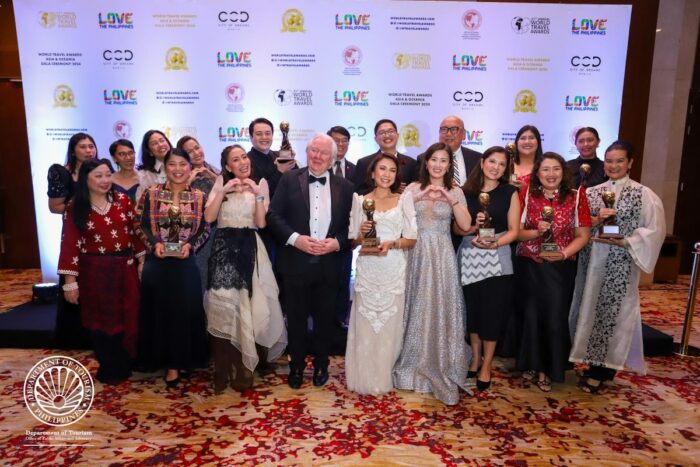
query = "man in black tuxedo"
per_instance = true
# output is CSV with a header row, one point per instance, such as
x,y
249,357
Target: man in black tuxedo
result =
x,y
386,135
264,159
309,217
346,169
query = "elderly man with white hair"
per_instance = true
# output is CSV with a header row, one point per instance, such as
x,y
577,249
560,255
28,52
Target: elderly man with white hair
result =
x,y
309,216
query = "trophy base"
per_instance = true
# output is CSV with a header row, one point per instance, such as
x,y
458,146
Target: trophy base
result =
x,y
285,155
549,250
370,242
610,231
487,235
172,249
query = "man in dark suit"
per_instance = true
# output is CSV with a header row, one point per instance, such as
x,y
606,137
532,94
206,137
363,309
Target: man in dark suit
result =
x,y
309,217
346,169
262,157
452,133
341,166
386,135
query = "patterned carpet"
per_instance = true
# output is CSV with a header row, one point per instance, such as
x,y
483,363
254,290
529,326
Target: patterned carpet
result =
x,y
638,420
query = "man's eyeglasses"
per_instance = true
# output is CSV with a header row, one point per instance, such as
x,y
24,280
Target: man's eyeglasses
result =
x,y
386,133
453,130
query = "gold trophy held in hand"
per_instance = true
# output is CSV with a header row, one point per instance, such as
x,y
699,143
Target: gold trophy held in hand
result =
x,y
510,149
173,247
370,239
548,247
609,229
487,234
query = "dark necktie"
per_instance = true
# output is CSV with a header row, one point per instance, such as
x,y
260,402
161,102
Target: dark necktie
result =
x,y
321,180
338,170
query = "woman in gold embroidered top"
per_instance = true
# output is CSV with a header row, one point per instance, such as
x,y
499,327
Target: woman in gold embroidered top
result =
x,y
172,331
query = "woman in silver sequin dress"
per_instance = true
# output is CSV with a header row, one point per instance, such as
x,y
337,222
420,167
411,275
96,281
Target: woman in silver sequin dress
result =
x,y
435,356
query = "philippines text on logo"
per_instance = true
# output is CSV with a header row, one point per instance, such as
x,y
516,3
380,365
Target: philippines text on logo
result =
x,y
234,134
63,96
467,62
229,59
352,22
176,59
293,21
473,138
120,97
58,391
525,101
351,98
582,103
113,20
589,27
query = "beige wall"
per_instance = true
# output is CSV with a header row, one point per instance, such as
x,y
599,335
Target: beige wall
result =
x,y
672,71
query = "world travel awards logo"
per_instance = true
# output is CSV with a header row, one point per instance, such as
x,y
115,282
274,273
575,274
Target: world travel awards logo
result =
x,y
293,21
530,25
58,391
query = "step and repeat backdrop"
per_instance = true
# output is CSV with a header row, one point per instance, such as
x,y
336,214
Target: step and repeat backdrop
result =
x,y
207,68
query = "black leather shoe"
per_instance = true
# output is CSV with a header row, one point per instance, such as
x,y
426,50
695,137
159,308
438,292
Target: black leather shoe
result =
x,y
295,379
320,376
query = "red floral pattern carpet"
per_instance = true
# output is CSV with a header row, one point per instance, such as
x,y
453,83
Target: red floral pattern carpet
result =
x,y
637,420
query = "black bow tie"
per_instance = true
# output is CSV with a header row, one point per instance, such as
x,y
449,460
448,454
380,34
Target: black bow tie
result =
x,y
321,180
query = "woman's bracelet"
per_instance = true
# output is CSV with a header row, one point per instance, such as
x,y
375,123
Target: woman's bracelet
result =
x,y
455,203
70,286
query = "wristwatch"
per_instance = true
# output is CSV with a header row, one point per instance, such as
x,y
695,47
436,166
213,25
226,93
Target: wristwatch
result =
x,y
259,199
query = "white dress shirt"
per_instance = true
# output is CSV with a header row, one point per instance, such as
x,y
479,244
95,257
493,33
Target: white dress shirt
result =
x,y
319,210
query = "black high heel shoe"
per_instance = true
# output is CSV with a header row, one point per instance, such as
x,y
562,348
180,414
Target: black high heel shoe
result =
x,y
482,385
172,383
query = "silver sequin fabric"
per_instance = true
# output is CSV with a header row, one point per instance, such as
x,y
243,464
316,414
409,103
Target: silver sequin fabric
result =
x,y
435,357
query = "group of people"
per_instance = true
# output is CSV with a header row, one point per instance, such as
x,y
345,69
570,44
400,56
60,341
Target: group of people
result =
x,y
460,254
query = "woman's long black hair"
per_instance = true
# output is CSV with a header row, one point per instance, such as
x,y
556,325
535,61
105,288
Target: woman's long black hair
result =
x,y
81,200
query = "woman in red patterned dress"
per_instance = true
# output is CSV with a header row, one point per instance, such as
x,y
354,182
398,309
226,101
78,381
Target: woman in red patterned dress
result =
x,y
99,252
545,285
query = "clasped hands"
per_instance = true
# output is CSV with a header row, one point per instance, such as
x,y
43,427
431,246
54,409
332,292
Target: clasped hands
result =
x,y
315,247
159,251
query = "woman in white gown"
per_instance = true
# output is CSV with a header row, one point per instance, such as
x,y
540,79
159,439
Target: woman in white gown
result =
x,y
375,334
244,317
605,317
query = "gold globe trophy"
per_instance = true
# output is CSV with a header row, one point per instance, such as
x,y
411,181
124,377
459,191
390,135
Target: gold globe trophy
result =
x,y
285,153
370,239
585,171
609,229
173,247
548,247
487,234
